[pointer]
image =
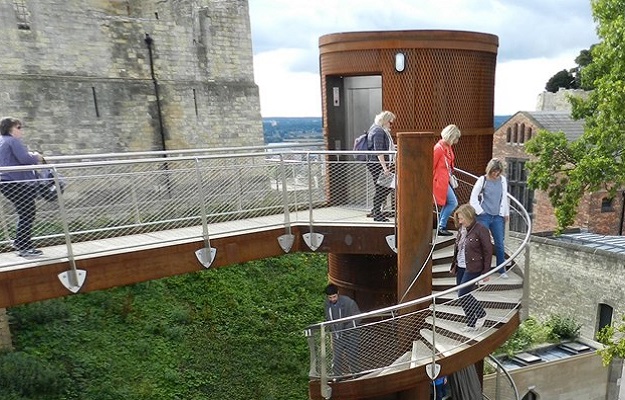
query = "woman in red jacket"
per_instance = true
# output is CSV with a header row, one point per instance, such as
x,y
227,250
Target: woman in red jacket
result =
x,y
473,256
444,160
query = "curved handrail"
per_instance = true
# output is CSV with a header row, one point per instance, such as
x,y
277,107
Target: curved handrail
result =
x,y
425,305
429,298
509,378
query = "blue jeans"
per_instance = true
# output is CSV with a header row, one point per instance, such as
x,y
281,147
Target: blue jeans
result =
x,y
450,205
497,225
472,308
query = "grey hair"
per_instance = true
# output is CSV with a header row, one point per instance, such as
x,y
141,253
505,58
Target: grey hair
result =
x,y
383,117
450,134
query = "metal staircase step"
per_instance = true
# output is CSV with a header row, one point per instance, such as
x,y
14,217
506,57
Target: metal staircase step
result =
x,y
443,255
443,344
443,242
495,282
453,330
420,355
512,297
441,269
493,315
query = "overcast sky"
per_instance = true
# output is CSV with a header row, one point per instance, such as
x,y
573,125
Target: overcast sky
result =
x,y
537,38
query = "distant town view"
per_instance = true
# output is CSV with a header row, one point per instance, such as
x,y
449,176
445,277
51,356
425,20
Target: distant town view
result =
x,y
303,129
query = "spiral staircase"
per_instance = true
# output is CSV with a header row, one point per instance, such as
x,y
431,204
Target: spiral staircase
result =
x,y
398,351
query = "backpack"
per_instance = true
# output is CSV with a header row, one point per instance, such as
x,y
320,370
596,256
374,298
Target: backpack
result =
x,y
361,143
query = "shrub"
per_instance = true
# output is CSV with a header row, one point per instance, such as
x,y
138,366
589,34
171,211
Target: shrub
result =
x,y
562,328
38,313
25,375
529,333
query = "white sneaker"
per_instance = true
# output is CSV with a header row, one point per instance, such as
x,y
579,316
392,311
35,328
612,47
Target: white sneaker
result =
x,y
504,276
468,328
480,322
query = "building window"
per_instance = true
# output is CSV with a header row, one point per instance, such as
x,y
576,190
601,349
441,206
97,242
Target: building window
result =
x,y
515,134
522,134
607,205
517,187
605,316
21,14
529,134
508,135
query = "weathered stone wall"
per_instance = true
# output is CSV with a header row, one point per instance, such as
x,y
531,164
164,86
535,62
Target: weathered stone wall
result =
x,y
572,280
6,342
80,76
577,377
558,101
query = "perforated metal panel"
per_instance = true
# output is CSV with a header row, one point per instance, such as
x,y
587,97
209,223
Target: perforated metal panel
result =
x,y
449,78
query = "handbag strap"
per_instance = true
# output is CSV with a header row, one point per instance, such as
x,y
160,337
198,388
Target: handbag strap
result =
x,y
448,169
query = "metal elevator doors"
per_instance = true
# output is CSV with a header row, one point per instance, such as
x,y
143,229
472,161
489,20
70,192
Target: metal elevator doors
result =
x,y
363,100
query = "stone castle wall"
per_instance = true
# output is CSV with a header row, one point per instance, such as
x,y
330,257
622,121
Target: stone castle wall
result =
x,y
558,101
573,280
80,75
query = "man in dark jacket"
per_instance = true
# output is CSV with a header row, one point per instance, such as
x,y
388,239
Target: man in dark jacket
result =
x,y
344,333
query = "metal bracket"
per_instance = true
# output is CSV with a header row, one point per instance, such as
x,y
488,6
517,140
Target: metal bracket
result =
x,y
68,282
326,391
390,240
433,370
206,256
286,242
313,240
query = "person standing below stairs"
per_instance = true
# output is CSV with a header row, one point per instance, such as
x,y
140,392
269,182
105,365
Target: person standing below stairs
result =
x,y
345,337
473,254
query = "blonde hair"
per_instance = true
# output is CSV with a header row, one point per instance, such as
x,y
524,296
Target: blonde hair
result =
x,y
493,165
384,117
450,134
467,212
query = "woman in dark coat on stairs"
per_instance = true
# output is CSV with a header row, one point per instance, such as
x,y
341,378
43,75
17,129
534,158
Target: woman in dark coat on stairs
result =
x,y
473,254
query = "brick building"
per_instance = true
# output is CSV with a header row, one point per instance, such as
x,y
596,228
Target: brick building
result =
x,y
598,213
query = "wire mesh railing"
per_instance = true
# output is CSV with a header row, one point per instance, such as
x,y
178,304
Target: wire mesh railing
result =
x,y
190,197
419,332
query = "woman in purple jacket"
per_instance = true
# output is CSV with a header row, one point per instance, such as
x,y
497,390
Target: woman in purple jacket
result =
x,y
473,254
20,187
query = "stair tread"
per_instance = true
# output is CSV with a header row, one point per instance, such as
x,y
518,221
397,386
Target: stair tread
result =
x,y
455,329
445,345
420,355
512,280
512,296
492,314
443,252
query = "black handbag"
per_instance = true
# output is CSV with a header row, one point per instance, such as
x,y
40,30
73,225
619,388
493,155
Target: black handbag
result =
x,y
47,186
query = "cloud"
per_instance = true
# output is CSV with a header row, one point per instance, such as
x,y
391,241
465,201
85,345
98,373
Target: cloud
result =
x,y
285,38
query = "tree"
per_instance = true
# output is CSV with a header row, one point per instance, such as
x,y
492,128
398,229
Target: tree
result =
x,y
568,170
612,338
583,60
563,79
571,79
